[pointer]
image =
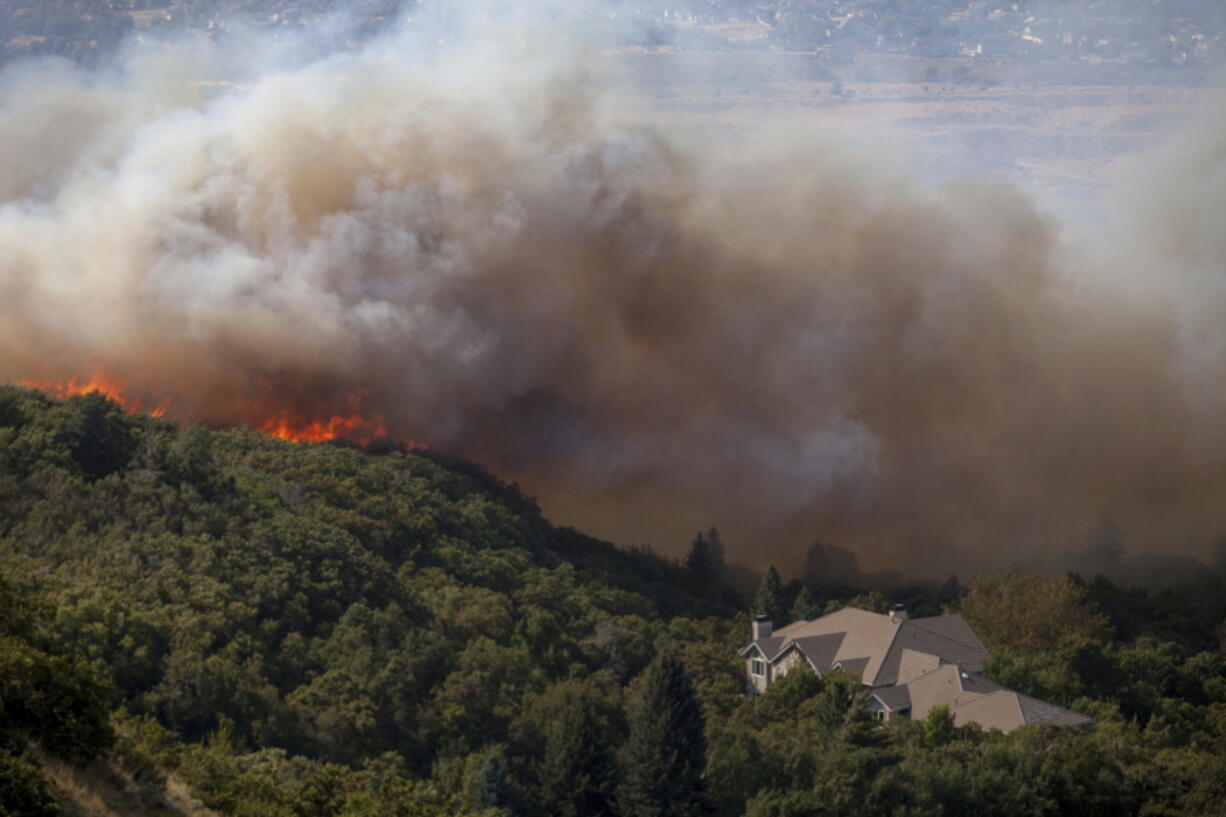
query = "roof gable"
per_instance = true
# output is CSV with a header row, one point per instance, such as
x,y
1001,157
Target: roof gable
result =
x,y
953,627
941,687
913,635
820,650
865,635
852,666
893,698
769,648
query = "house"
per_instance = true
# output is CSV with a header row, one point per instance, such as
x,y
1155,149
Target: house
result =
x,y
911,666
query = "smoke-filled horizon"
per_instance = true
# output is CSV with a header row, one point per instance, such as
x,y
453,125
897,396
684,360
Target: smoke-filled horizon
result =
x,y
651,329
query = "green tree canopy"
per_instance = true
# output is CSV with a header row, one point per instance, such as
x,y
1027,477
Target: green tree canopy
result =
x,y
577,775
805,606
665,753
770,600
1031,612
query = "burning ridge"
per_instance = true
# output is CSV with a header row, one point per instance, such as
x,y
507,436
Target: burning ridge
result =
x,y
288,424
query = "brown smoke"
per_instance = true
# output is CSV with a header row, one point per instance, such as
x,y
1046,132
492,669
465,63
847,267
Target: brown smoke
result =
x,y
651,330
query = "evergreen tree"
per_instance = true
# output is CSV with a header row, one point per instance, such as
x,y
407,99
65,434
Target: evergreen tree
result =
x,y
716,547
665,753
577,774
100,437
951,591
770,600
805,606
698,563
490,788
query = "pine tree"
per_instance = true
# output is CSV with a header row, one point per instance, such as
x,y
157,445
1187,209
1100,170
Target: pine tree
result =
x,y
770,600
490,788
950,591
805,606
665,753
698,563
577,774
716,547
705,563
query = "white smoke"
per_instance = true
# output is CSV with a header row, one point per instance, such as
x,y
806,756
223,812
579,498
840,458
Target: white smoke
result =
x,y
652,327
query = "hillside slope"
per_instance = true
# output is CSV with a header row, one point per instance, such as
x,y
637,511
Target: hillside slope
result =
x,y
276,584
201,622
316,601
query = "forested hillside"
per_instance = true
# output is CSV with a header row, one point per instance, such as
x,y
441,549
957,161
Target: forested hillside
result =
x,y
322,630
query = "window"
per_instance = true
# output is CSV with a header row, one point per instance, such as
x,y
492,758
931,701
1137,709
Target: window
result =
x,y
757,667
880,714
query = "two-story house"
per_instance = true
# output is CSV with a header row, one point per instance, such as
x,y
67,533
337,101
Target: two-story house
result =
x,y
911,666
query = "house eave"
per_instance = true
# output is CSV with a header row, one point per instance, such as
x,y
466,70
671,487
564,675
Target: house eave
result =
x,y
744,652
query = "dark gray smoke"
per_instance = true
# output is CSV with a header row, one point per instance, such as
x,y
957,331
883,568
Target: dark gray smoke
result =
x,y
651,329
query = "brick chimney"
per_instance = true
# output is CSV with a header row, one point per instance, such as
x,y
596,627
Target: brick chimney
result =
x,y
898,613
762,628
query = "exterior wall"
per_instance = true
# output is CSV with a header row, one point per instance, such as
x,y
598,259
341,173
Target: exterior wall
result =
x,y
785,666
757,683
878,711
912,665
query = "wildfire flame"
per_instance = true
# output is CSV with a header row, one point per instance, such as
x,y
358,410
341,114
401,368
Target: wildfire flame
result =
x,y
104,385
295,427
286,424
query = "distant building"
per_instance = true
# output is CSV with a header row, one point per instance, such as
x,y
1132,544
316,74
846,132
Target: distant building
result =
x,y
912,666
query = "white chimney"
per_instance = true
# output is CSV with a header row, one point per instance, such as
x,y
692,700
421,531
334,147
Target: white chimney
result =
x,y
762,628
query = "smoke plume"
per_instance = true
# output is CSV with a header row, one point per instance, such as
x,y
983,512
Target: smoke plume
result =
x,y
652,328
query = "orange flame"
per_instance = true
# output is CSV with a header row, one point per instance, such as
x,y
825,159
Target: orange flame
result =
x,y
295,427
285,424
101,383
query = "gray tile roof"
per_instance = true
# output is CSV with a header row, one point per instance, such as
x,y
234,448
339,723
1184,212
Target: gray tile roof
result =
x,y
953,627
894,698
1036,711
980,684
865,635
820,649
770,647
913,635
854,666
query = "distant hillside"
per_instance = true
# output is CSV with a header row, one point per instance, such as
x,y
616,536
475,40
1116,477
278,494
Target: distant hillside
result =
x,y
1119,33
